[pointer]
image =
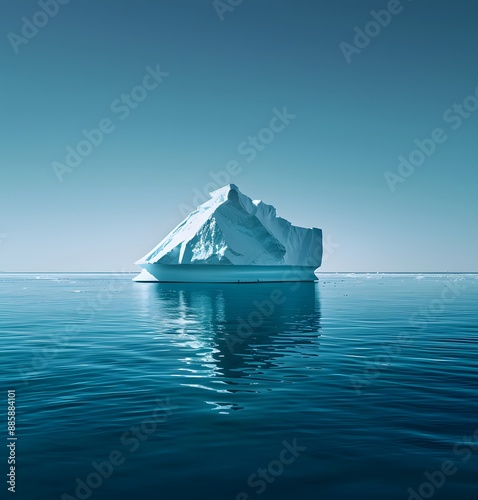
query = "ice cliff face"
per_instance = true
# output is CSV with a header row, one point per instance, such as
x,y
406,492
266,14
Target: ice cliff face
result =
x,y
231,229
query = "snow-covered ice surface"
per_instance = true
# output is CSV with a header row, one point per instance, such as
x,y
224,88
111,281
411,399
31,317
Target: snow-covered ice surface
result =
x,y
231,229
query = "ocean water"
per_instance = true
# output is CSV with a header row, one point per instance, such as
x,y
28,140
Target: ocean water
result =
x,y
357,386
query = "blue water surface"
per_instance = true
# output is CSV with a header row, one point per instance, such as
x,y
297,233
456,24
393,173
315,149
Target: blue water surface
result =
x,y
358,386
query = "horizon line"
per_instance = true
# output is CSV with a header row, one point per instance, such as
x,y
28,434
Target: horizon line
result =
x,y
320,272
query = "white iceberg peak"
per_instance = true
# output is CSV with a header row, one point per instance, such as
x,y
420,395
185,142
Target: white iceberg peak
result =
x,y
232,230
223,190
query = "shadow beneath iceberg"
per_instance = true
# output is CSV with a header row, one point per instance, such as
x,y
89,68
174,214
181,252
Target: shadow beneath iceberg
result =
x,y
242,330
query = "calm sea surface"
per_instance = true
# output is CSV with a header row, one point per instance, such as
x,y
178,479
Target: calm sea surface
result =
x,y
358,386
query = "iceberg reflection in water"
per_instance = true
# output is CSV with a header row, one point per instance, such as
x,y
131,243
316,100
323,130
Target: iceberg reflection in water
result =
x,y
236,338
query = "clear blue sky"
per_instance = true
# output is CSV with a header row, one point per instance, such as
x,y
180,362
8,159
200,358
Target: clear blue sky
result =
x,y
325,168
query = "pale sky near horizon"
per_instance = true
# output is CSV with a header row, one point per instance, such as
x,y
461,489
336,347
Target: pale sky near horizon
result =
x,y
338,118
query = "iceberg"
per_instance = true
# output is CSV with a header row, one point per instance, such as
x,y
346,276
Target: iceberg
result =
x,y
234,239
